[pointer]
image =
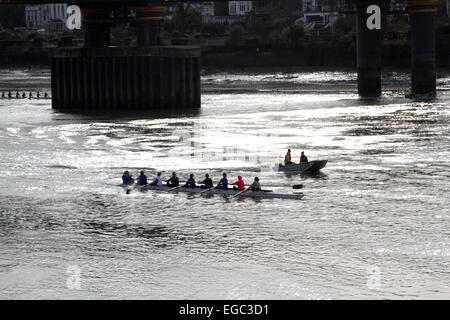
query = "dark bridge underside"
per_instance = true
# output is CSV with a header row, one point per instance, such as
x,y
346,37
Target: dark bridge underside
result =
x,y
96,1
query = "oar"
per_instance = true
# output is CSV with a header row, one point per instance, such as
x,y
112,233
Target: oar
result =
x,y
239,193
129,188
297,186
206,190
173,189
144,185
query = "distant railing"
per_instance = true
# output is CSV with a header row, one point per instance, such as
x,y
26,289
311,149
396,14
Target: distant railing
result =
x,y
223,19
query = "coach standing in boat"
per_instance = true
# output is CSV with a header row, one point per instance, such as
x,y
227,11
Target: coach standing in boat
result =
x,y
208,184
173,181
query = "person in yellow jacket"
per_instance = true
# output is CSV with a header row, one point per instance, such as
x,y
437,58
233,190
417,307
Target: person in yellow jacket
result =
x,y
287,157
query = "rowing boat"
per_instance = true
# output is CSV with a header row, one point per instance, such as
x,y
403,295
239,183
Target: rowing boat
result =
x,y
303,167
230,192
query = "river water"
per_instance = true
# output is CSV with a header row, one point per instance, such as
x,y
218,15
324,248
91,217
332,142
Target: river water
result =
x,y
373,225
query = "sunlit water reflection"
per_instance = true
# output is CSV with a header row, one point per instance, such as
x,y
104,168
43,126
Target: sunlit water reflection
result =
x,y
380,204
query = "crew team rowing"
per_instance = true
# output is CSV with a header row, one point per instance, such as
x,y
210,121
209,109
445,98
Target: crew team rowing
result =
x,y
9,95
207,183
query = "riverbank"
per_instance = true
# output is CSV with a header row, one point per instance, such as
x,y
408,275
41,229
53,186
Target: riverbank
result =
x,y
397,55
321,54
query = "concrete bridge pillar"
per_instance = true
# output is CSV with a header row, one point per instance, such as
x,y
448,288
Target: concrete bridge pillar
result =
x,y
96,26
368,50
423,45
102,78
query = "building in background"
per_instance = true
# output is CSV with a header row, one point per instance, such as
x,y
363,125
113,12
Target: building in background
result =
x,y
321,12
239,8
205,8
228,13
50,17
284,8
34,16
399,6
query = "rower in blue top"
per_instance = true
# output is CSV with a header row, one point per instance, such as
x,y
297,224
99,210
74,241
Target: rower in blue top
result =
x,y
223,183
157,181
142,179
126,178
190,183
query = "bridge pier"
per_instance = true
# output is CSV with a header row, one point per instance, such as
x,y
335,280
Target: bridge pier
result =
x,y
423,45
103,78
95,26
95,79
368,51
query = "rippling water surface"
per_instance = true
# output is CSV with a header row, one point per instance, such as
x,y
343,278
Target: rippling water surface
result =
x,y
374,224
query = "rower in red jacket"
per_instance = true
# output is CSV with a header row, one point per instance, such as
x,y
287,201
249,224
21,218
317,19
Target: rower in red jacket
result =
x,y
240,183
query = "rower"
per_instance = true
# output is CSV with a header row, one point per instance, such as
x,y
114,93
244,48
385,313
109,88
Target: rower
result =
x,y
30,95
24,95
240,183
9,95
46,95
142,179
287,157
173,181
208,184
17,94
157,181
255,186
303,158
223,183
3,95
38,95
126,178
190,183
